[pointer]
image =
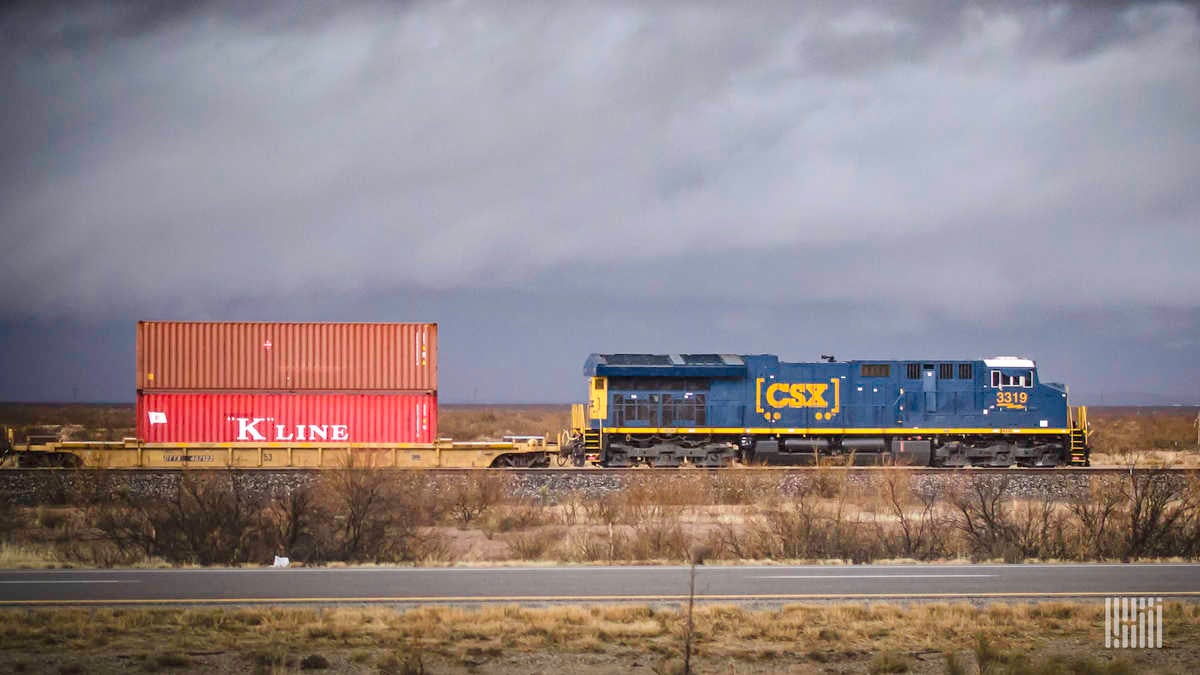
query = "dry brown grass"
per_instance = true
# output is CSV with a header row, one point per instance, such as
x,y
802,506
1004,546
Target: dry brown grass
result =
x,y
861,637
13,556
1119,431
1150,516
493,422
1149,458
382,517
69,421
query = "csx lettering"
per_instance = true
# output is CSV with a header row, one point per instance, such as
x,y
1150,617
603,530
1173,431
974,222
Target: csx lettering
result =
x,y
797,395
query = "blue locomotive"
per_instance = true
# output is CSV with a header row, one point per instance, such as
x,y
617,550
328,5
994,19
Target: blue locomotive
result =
x,y
713,409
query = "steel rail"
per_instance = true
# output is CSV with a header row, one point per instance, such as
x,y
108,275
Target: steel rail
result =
x,y
582,471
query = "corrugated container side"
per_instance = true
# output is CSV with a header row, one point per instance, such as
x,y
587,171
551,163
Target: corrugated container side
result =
x,y
185,355
286,418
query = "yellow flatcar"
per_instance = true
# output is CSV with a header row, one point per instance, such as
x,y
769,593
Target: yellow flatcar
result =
x,y
529,451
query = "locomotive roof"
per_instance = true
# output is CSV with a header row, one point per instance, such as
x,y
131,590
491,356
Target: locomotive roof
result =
x,y
677,365
1009,362
727,365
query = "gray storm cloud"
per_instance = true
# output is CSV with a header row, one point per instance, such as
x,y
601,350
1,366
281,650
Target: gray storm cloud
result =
x,y
897,153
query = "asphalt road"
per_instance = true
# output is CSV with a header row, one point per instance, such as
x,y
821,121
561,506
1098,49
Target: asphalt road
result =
x,y
535,585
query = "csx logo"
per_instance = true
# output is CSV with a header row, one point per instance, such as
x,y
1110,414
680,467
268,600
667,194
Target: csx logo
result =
x,y
780,395
797,395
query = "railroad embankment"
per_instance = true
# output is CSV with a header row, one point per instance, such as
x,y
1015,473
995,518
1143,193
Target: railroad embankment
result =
x,y
106,518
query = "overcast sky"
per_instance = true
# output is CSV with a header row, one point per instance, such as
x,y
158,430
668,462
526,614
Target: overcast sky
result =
x,y
545,180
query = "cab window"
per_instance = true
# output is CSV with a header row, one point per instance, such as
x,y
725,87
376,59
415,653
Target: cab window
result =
x,y
1001,380
635,410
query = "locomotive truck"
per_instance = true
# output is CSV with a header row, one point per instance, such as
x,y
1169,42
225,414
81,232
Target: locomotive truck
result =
x,y
713,409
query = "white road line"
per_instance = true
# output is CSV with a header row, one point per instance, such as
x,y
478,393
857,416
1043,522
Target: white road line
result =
x,y
70,581
871,576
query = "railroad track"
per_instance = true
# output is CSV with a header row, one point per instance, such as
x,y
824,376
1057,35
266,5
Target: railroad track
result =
x,y
573,471
49,485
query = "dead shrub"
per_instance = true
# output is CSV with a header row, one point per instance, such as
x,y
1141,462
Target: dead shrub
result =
x,y
649,495
1093,532
658,540
12,518
410,662
889,662
793,530
290,524
360,498
645,498
172,660
508,518
743,486
214,518
209,519
984,516
571,509
1158,508
847,533
534,544
1188,537
314,662
378,516
915,527
827,481
607,509
78,540
470,496
1037,530
728,541
590,546
51,518
129,526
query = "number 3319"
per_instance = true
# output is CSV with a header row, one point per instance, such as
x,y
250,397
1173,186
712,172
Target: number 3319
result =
x,y
1011,398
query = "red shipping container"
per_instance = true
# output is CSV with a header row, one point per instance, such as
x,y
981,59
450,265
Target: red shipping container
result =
x,y
187,355
329,419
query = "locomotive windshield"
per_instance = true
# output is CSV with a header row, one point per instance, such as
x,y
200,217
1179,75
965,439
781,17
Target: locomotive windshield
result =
x,y
1002,379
